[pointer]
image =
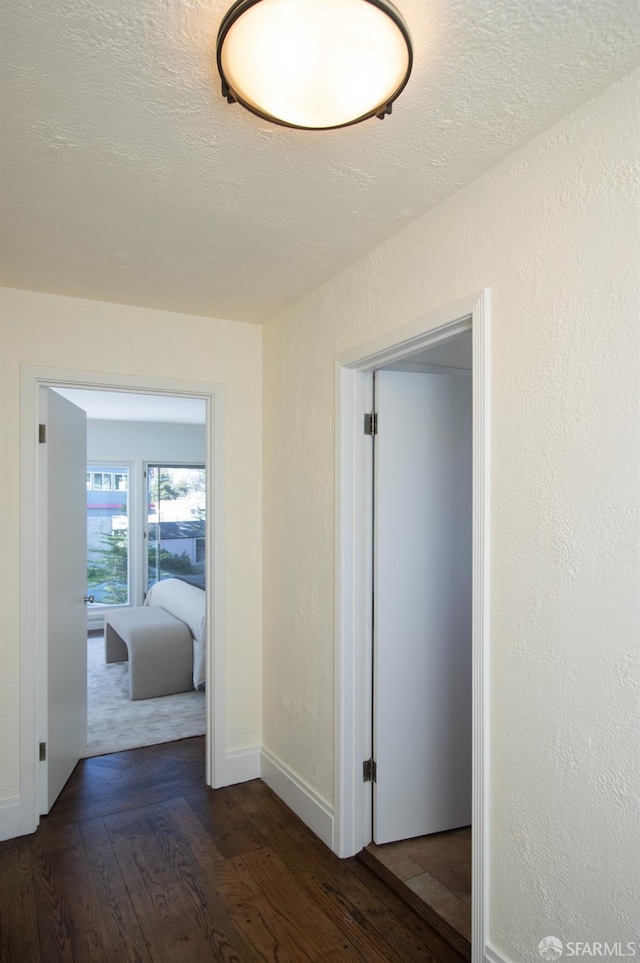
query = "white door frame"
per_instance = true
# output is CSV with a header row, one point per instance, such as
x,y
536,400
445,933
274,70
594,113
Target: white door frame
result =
x,y
353,674
32,630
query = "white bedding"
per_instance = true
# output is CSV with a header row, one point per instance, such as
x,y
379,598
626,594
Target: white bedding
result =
x,y
187,603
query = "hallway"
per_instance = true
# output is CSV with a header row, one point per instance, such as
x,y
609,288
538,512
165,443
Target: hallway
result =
x,y
138,860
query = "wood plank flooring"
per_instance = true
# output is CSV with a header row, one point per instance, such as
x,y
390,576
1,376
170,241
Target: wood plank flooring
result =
x,y
433,874
138,861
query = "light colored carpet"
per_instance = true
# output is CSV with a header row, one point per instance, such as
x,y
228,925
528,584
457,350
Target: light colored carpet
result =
x,y
115,723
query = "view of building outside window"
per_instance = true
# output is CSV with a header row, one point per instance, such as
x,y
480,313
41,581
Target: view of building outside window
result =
x,y
176,499
108,534
176,507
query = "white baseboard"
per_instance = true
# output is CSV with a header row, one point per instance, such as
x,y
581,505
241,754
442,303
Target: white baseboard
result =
x,y
294,791
241,765
11,818
492,956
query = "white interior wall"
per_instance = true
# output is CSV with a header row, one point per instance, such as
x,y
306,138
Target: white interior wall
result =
x,y
554,231
53,331
145,441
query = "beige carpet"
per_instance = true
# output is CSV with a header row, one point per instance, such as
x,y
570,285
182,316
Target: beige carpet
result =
x,y
115,723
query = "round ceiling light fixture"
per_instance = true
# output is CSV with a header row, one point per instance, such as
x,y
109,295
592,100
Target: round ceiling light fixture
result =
x,y
314,64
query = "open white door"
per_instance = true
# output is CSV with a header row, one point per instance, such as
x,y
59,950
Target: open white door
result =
x,y
422,590
64,462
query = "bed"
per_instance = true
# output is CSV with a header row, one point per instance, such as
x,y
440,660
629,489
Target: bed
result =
x,y
187,602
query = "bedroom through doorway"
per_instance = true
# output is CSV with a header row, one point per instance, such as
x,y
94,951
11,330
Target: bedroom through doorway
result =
x,y
146,491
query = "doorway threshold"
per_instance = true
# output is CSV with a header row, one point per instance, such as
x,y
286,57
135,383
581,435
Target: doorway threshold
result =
x,y
432,874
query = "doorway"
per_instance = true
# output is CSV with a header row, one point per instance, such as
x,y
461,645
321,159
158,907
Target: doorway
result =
x,y
354,668
145,521
34,635
421,746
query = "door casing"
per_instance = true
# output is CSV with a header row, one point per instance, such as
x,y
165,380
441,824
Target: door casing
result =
x,y
32,629
353,629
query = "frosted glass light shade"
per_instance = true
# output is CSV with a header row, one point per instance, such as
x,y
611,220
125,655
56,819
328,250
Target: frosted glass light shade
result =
x,y
315,64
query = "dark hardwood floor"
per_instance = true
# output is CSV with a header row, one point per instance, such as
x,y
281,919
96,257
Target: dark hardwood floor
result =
x,y
139,861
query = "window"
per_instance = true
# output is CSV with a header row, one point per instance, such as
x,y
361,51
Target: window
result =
x,y
176,506
108,536
121,562
102,481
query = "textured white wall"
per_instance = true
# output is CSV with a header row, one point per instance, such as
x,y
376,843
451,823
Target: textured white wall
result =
x,y
554,230
40,329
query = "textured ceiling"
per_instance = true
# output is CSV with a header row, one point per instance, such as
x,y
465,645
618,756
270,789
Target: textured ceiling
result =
x,y
127,178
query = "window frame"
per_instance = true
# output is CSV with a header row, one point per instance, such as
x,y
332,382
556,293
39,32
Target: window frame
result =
x,y
200,466
97,611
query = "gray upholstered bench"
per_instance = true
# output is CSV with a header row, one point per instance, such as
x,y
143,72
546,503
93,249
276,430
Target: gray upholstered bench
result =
x,y
158,647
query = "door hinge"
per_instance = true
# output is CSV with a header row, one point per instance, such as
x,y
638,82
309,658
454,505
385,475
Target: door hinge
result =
x,y
43,751
371,423
42,434
369,770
